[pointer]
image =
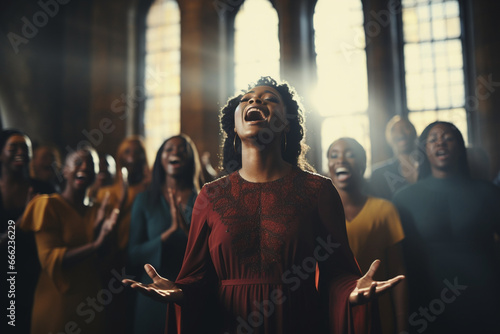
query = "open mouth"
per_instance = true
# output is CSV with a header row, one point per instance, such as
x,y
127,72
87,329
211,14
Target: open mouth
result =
x,y
442,154
255,115
342,173
175,162
81,176
19,158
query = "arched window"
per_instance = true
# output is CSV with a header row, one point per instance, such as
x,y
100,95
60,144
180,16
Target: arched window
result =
x,y
256,43
434,66
162,77
341,95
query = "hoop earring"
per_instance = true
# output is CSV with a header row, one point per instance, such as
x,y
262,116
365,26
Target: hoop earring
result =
x,y
234,143
284,150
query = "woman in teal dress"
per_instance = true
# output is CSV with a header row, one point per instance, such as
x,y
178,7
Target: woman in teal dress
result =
x,y
160,222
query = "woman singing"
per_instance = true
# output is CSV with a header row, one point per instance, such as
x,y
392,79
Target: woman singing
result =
x,y
258,235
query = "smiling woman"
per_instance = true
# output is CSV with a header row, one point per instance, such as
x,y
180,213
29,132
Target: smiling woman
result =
x,y
16,190
286,124
373,227
68,241
253,227
160,223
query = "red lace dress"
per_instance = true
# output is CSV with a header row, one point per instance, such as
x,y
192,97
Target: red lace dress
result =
x,y
252,255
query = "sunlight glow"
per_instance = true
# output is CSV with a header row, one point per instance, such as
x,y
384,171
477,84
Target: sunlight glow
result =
x,y
341,96
256,43
162,79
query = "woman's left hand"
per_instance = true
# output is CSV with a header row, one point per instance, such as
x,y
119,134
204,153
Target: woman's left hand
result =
x,y
367,289
162,289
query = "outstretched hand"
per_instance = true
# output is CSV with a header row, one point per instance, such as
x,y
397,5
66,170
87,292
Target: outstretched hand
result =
x,y
161,289
367,289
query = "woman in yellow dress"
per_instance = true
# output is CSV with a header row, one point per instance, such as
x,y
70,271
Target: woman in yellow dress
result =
x,y
69,296
373,228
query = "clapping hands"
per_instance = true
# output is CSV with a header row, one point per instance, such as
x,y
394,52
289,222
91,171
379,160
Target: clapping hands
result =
x,y
178,220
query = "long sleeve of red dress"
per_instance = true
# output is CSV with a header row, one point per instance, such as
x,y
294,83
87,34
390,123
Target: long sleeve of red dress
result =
x,y
339,273
252,255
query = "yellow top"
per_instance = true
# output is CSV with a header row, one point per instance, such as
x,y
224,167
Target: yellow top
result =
x,y
376,227
60,301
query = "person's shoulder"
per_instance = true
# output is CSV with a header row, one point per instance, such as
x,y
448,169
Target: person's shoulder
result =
x,y
42,199
216,185
39,199
219,180
488,185
312,184
37,209
211,192
314,177
316,186
408,191
385,165
141,198
379,202
485,187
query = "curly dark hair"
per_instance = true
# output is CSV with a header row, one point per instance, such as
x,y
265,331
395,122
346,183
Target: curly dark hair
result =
x,y
424,168
295,149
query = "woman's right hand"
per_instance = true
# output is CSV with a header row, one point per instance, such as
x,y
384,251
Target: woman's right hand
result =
x,y
161,289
